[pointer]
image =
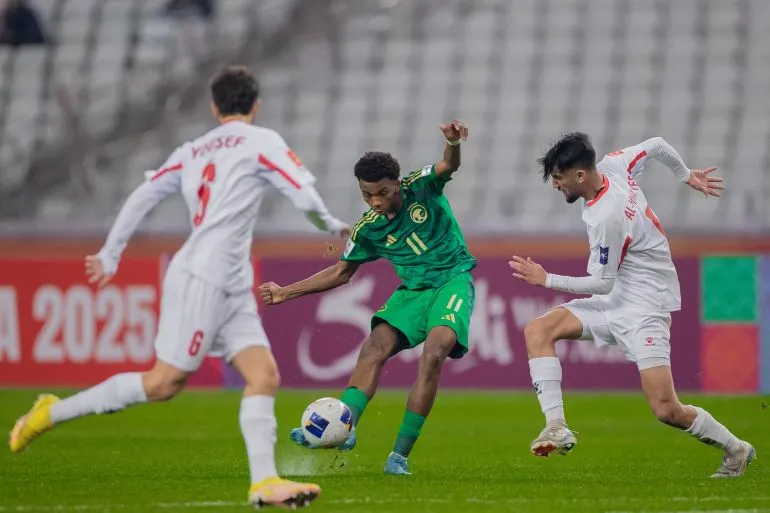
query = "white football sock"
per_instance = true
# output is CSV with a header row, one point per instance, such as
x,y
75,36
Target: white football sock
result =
x,y
706,429
258,426
546,379
109,396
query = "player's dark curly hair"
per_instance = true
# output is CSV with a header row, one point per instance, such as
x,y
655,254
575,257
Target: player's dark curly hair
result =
x,y
234,91
375,166
573,150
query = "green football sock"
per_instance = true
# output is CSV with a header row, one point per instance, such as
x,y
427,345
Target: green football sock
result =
x,y
408,433
356,401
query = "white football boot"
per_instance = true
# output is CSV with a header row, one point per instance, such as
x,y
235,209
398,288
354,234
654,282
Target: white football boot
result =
x,y
554,438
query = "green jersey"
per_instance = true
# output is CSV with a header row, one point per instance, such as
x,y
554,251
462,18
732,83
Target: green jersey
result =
x,y
423,242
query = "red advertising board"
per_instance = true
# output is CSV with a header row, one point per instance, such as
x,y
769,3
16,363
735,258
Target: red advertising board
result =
x,y
56,329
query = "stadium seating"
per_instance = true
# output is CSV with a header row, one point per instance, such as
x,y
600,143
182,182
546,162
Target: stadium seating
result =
x,y
519,73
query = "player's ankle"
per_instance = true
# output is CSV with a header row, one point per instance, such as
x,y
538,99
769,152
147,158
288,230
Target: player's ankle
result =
x,y
556,423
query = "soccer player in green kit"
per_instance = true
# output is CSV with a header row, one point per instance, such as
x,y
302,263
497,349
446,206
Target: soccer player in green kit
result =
x,y
411,224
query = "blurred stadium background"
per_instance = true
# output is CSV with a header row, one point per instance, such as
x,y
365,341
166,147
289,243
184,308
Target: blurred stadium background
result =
x,y
115,85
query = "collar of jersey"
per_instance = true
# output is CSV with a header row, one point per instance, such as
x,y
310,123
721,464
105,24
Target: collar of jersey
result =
x,y
605,188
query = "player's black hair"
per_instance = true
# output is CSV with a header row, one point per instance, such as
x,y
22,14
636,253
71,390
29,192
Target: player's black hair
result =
x,y
573,150
375,166
234,90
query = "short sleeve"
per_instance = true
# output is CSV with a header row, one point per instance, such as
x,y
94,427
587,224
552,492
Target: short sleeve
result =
x,y
359,251
425,179
609,244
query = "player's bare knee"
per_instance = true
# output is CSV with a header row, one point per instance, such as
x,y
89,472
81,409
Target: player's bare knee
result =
x,y
440,343
163,382
163,388
379,346
538,336
264,382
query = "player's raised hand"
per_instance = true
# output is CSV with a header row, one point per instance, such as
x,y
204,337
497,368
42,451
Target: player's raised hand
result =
x,y
702,181
95,271
455,130
272,293
528,270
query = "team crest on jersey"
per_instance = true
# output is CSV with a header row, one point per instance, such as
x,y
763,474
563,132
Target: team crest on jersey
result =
x,y
417,213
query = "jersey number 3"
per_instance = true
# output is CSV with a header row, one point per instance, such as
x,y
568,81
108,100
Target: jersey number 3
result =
x,y
204,192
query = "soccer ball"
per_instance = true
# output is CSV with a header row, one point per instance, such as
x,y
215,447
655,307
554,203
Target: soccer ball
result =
x,y
326,423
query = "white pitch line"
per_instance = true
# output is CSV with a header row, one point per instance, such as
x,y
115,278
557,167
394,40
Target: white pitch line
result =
x,y
699,511
392,500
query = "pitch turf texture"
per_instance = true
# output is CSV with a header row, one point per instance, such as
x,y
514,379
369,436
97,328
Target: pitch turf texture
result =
x,y
188,455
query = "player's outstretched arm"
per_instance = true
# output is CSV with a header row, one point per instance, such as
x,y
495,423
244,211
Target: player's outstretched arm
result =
x,y
698,179
309,200
101,267
283,169
533,273
330,278
454,132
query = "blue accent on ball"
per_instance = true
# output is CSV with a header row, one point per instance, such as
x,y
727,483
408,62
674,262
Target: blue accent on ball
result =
x,y
345,417
316,425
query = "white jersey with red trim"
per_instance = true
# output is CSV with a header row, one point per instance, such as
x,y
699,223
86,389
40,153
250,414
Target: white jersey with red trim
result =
x,y
626,238
222,176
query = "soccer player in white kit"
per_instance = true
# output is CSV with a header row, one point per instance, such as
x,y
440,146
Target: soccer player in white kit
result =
x,y
634,285
207,305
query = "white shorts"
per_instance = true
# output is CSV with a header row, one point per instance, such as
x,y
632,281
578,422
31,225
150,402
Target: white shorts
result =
x,y
643,336
199,319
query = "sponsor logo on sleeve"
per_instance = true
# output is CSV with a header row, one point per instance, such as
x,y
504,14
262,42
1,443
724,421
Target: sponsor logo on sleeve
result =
x,y
604,255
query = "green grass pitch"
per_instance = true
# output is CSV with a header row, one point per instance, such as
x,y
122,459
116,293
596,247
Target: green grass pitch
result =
x,y
188,455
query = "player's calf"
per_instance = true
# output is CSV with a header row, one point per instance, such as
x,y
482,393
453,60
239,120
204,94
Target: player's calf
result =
x,y
673,413
658,386
542,333
441,340
112,395
380,345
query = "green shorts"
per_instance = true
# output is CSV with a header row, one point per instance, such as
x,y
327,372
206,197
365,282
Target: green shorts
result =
x,y
415,312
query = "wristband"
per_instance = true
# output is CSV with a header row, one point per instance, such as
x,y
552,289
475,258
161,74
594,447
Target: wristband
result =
x,y
453,143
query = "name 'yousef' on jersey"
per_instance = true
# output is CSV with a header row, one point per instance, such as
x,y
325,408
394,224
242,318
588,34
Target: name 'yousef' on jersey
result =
x,y
229,141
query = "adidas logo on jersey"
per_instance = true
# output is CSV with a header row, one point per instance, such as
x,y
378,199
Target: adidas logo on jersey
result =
x,y
449,317
390,240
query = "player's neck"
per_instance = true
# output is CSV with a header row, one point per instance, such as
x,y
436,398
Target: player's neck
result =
x,y
229,119
396,209
595,187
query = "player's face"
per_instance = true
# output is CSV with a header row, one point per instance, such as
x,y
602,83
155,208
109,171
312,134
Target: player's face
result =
x,y
568,183
383,196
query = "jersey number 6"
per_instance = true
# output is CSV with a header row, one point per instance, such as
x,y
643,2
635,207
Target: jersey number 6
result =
x,y
204,192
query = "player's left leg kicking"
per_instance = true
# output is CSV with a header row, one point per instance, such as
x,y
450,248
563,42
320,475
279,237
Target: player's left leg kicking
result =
x,y
186,333
644,338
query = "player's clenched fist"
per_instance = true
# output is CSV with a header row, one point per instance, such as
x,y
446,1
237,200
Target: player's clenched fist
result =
x,y
271,293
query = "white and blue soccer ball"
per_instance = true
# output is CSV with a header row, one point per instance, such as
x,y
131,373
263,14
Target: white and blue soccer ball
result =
x,y
326,423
